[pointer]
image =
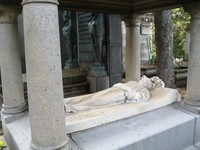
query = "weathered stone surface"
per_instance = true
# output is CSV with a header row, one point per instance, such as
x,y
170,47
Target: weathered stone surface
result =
x,y
98,83
161,129
169,127
132,48
114,62
98,115
11,71
193,87
44,76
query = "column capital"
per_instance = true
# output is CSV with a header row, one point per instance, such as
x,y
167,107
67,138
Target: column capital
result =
x,y
132,20
193,10
8,14
147,19
40,1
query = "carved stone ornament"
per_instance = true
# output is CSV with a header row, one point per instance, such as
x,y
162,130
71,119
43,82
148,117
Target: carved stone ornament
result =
x,y
132,20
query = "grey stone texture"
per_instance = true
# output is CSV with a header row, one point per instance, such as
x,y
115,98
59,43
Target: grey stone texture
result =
x,y
44,76
114,53
11,71
166,128
133,39
98,83
193,86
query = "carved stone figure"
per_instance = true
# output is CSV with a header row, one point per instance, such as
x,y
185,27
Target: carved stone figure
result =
x,y
118,94
96,30
67,33
69,41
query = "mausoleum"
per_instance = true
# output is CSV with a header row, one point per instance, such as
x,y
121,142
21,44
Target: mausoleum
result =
x,y
43,122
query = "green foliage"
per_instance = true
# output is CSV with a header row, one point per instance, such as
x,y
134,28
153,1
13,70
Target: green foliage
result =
x,y
180,22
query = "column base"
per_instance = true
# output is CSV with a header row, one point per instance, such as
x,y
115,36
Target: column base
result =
x,y
98,83
14,110
189,105
69,64
63,146
98,70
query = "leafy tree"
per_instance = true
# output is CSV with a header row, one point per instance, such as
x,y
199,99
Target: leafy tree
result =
x,y
180,22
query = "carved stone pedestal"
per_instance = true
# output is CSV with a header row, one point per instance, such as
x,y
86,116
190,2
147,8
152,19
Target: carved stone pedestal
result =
x,y
71,64
98,83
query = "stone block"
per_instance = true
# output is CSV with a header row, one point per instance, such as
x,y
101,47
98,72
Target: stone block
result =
x,y
98,83
167,128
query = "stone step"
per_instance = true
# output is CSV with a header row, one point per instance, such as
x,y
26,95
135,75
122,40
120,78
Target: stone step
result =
x,y
76,89
74,82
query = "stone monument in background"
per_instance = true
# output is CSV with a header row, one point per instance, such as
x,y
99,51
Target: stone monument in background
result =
x,y
97,75
70,40
96,28
146,38
92,48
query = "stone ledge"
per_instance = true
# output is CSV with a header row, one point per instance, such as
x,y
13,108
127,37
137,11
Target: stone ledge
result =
x,y
162,129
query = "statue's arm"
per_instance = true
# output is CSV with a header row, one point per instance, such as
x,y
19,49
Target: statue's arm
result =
x,y
134,92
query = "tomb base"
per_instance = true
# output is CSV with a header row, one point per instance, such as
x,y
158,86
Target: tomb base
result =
x,y
171,127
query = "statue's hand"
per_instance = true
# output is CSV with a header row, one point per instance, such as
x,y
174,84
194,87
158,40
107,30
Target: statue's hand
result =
x,y
128,92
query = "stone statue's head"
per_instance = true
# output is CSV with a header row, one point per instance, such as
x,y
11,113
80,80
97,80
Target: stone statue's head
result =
x,y
150,83
93,16
66,15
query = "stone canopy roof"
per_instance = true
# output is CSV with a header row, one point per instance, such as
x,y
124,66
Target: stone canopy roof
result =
x,y
114,6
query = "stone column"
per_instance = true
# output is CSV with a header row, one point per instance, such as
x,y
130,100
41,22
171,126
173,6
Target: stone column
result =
x,y
44,75
11,74
146,38
192,101
114,49
132,47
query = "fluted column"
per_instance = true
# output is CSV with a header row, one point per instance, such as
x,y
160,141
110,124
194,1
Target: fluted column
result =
x,y
11,72
44,75
132,47
192,101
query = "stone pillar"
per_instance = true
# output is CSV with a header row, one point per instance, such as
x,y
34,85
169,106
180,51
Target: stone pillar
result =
x,y
146,38
132,47
192,101
44,75
114,49
11,72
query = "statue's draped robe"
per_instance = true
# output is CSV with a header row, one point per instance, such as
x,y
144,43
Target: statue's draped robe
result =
x,y
118,94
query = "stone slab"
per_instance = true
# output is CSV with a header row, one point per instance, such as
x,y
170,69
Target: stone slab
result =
x,y
197,125
98,83
166,128
91,118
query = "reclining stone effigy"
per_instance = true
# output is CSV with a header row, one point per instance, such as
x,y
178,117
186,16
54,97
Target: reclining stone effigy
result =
x,y
118,102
